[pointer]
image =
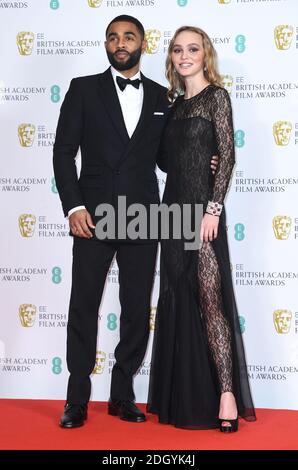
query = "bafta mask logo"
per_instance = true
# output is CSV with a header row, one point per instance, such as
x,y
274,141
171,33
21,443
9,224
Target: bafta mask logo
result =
x,y
27,225
27,314
25,42
152,37
282,320
283,35
26,133
282,132
94,3
99,362
282,226
224,2
152,318
227,82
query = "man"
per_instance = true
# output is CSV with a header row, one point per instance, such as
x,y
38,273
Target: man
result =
x,y
117,119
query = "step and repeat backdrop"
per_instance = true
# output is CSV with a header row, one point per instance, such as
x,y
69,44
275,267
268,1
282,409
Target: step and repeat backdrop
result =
x,y
43,45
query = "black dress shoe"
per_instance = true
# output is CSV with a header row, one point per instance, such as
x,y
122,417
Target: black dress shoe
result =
x,y
74,416
126,410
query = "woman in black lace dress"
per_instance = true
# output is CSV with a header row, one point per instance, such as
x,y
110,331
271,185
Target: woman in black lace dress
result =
x,y
198,374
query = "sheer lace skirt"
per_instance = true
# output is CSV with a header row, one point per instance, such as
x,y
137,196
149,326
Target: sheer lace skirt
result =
x,y
197,350
212,311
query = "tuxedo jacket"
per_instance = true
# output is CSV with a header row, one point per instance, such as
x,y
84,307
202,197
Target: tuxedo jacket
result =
x,y
113,164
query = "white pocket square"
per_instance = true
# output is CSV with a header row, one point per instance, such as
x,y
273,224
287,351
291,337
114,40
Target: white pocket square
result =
x,y
158,113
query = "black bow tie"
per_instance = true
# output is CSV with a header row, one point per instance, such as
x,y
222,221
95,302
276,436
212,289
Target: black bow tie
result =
x,y
122,82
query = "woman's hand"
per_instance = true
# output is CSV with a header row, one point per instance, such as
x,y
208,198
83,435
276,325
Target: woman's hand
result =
x,y
209,227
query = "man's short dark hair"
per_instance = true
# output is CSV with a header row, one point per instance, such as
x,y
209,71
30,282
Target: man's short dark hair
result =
x,y
128,19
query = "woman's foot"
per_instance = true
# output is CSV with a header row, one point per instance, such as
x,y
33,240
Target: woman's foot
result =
x,y
228,415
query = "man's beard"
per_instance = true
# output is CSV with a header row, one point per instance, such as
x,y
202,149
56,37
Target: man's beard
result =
x,y
133,59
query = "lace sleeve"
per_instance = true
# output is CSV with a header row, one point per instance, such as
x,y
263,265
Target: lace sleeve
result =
x,y
221,111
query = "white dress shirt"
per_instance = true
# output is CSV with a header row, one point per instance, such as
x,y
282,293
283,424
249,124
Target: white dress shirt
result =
x,y
131,102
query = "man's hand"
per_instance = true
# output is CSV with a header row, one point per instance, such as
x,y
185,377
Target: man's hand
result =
x,y
80,222
209,228
214,163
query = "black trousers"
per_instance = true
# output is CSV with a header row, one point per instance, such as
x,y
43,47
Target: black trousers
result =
x,y
91,263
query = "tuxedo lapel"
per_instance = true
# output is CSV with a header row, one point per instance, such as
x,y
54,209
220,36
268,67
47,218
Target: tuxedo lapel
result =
x,y
149,102
110,99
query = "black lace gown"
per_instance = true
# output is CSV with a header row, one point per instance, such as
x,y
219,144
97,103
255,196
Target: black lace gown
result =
x,y
197,350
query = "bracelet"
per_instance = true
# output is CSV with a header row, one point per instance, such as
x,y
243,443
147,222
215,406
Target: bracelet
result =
x,y
214,208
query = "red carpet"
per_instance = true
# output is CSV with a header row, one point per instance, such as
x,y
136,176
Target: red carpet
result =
x,y
32,424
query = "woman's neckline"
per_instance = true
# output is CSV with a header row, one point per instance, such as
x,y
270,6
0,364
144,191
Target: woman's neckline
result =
x,y
197,94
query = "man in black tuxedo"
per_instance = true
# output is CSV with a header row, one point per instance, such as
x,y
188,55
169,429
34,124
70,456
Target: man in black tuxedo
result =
x,y
117,119
116,125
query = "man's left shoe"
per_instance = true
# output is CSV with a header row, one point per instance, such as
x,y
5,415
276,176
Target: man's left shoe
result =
x,y
74,416
126,410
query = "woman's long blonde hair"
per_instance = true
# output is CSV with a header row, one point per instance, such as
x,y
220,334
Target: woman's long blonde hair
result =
x,y
211,73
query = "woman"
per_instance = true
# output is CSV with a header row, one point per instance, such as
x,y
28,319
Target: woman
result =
x,y
198,375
